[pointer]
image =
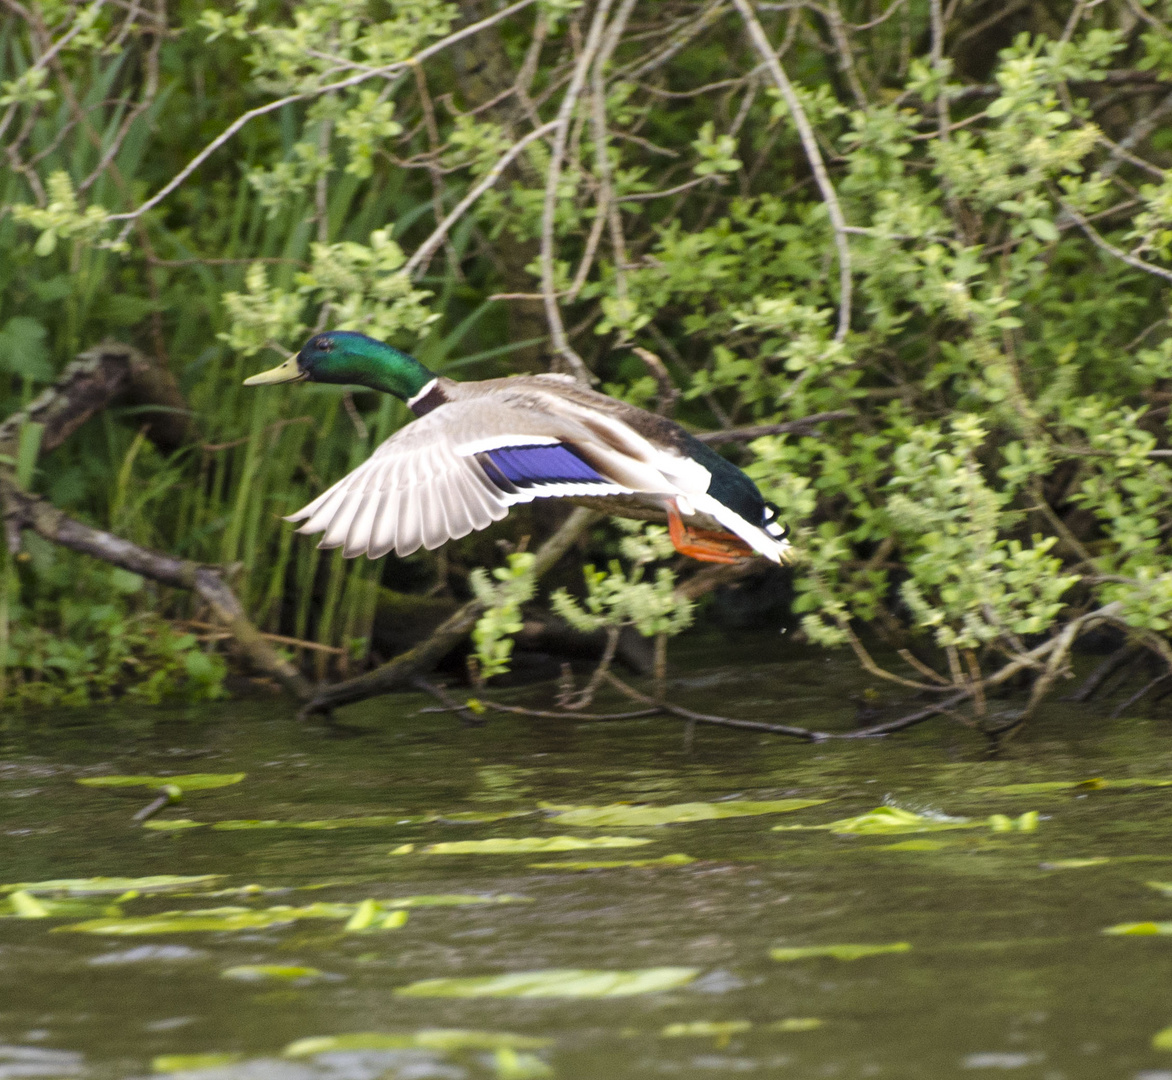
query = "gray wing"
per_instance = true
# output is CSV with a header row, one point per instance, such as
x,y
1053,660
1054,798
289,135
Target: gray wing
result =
x,y
435,480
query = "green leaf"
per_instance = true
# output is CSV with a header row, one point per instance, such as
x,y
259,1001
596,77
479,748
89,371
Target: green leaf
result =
x,y
555,983
27,906
169,1063
888,820
24,349
1079,864
1094,783
188,782
224,918
838,952
446,1040
175,825
1044,229
623,816
1139,929
104,886
615,864
718,1029
262,972
501,845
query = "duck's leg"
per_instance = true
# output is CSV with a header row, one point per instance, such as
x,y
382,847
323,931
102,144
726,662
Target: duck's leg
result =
x,y
703,544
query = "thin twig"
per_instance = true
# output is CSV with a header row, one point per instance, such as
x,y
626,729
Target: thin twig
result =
x,y
428,248
813,155
553,176
263,110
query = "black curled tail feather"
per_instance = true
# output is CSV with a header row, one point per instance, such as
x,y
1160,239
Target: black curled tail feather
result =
x,y
771,524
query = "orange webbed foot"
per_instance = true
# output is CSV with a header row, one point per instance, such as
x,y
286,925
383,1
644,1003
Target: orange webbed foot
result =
x,y
703,544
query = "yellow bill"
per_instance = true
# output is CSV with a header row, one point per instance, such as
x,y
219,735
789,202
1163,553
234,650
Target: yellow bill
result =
x,y
286,372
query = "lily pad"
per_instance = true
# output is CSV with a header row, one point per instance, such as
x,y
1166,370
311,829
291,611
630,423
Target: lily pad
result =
x,y
796,1023
718,1029
888,820
114,886
237,918
188,782
838,952
555,983
636,817
265,972
446,1040
1140,929
501,845
169,1063
1094,783
1080,864
615,864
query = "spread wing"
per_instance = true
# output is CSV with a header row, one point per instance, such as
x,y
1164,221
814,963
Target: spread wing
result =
x,y
457,469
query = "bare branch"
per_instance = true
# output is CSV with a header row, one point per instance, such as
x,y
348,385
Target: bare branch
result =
x,y
263,110
428,248
813,155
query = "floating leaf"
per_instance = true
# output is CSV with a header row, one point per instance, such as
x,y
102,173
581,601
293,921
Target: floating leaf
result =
x,y
838,952
1162,1040
394,920
446,1040
223,918
916,845
1076,864
555,983
363,918
27,906
889,820
636,817
796,1023
1094,783
188,782
501,845
1028,822
103,886
718,1029
174,825
370,821
510,1065
1141,929
615,864
169,1063
262,972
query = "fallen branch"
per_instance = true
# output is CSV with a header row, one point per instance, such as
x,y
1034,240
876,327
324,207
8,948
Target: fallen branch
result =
x,y
424,656
718,721
92,382
31,512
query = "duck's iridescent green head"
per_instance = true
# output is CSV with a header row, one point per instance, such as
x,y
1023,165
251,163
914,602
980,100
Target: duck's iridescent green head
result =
x,y
342,356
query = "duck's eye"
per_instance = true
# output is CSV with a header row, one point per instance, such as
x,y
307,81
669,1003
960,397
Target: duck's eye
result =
x,y
323,344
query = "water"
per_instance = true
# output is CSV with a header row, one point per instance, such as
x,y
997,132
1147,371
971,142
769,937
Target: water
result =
x,y
1008,972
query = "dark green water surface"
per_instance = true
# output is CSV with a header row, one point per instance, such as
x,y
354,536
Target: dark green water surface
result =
x,y
1008,971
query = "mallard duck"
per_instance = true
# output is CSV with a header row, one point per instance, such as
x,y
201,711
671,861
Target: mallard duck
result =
x,y
478,448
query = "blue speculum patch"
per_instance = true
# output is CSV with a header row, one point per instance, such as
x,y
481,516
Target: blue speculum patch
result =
x,y
543,464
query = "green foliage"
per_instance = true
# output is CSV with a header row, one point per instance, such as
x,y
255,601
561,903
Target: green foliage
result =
x,y
494,630
616,597
1006,367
